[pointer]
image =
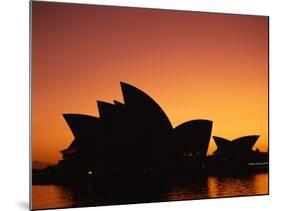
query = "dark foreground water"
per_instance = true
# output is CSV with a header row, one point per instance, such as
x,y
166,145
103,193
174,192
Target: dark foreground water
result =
x,y
55,196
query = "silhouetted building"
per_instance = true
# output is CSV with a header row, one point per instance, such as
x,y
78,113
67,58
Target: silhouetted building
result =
x,y
239,146
237,156
134,140
132,137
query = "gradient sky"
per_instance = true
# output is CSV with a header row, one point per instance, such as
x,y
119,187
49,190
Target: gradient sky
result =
x,y
195,65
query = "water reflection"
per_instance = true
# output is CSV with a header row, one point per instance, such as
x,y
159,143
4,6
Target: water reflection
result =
x,y
238,186
47,196
54,196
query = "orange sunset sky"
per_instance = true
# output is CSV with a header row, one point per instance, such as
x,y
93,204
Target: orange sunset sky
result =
x,y
194,65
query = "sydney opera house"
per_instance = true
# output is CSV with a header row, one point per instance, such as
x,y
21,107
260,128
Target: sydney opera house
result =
x,y
136,140
135,137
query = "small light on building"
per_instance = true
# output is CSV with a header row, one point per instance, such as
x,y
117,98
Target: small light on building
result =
x,y
90,172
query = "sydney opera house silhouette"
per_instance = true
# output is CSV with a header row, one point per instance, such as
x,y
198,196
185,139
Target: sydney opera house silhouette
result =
x,y
135,140
240,146
237,156
132,138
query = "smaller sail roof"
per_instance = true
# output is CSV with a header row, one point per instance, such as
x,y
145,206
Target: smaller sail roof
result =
x,y
240,145
82,125
193,136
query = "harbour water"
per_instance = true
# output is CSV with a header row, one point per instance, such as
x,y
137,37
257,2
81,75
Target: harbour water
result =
x,y
56,196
